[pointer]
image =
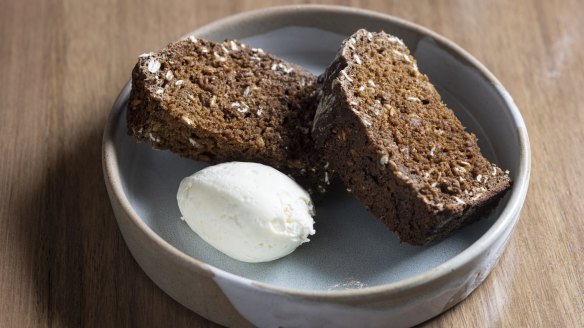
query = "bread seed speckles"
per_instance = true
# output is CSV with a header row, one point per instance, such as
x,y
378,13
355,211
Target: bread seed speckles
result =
x,y
357,59
384,160
193,142
193,39
240,107
187,120
342,135
401,175
371,83
346,76
153,66
477,196
458,201
414,99
219,58
394,39
302,81
391,110
169,76
285,68
402,55
463,163
153,138
178,82
459,170
233,46
282,67
479,177
369,36
204,50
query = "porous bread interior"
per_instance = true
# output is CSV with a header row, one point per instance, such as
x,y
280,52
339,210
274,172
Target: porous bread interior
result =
x,y
240,97
410,126
225,101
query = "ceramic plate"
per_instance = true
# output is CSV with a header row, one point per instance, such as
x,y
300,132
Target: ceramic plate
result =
x,y
352,253
344,228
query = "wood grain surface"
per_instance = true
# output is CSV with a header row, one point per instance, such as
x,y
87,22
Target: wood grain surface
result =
x,y
63,262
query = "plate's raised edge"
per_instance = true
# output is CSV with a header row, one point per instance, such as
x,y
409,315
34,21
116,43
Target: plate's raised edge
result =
x,y
506,220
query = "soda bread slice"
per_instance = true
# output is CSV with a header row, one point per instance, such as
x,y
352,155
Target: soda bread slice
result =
x,y
219,102
385,130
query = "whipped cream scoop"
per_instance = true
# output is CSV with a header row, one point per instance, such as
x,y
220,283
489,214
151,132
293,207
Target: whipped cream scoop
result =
x,y
248,211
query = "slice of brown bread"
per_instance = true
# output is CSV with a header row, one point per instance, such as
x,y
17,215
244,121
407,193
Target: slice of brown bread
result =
x,y
219,102
395,144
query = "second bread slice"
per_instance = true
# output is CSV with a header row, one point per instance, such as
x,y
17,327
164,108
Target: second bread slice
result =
x,y
395,144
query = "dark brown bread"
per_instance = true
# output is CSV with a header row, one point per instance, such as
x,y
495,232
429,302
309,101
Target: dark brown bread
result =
x,y
395,144
218,102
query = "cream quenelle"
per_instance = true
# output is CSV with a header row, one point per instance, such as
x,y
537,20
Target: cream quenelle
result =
x,y
249,211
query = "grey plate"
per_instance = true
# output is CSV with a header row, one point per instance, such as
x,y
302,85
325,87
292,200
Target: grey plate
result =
x,y
351,249
345,229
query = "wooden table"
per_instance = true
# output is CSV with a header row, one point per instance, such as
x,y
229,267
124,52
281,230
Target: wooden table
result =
x,y
63,262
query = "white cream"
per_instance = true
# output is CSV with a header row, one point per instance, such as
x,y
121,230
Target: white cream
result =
x,y
250,212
